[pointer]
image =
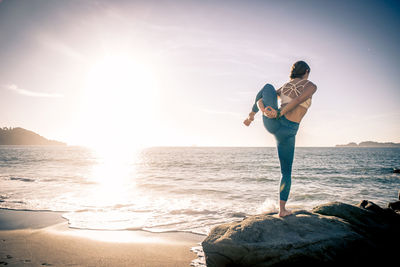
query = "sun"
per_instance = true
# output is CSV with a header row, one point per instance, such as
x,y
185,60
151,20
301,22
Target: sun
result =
x,y
116,120
117,103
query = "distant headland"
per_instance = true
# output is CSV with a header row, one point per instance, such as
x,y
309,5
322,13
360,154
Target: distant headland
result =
x,y
20,136
370,144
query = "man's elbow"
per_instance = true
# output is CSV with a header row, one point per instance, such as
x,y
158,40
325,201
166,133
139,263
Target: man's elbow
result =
x,y
314,89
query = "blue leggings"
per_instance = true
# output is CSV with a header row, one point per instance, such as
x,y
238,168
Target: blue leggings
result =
x,y
284,131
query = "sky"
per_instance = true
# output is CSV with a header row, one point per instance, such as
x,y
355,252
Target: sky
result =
x,y
183,73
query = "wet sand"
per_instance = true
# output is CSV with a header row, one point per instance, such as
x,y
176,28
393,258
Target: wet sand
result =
x,y
30,238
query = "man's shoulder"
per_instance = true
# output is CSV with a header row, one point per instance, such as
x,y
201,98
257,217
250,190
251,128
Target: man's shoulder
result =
x,y
312,85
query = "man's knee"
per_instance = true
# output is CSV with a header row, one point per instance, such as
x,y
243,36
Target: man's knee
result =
x,y
268,88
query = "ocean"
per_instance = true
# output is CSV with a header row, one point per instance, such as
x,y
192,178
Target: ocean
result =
x,y
189,189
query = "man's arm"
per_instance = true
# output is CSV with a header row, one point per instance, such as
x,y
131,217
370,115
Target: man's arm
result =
x,y
278,92
308,92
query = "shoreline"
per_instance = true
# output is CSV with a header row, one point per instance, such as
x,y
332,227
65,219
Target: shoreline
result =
x,y
44,238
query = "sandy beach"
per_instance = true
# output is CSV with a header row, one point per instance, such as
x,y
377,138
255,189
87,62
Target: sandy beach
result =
x,y
41,238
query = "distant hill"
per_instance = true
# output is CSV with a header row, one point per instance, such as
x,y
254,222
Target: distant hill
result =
x,y
371,144
20,136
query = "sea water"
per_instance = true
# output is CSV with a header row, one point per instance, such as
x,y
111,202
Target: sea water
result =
x,y
187,189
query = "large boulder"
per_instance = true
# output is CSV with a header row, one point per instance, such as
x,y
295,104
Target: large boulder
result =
x,y
335,233
367,218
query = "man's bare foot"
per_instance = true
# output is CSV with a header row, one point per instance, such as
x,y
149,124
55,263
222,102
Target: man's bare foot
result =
x,y
284,213
247,121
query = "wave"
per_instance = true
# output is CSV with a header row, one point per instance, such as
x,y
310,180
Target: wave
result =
x,y
171,231
158,228
31,210
2,198
238,214
22,179
192,212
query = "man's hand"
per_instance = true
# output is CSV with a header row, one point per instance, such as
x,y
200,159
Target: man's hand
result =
x,y
270,112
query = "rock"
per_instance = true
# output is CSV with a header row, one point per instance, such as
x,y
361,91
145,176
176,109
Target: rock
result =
x,y
332,234
387,214
366,218
394,205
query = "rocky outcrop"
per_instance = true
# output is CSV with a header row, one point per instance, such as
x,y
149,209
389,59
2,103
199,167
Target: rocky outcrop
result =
x,y
331,234
20,136
370,144
395,205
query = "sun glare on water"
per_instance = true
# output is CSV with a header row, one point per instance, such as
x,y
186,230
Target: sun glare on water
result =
x,y
116,122
114,175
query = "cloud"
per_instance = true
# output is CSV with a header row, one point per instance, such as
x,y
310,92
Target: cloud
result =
x,y
13,87
59,47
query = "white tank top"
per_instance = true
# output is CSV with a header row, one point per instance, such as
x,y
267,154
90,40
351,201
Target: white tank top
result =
x,y
288,88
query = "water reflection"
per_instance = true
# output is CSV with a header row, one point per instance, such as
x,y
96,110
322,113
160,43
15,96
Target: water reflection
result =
x,y
114,176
